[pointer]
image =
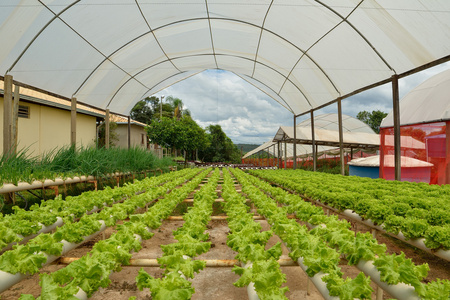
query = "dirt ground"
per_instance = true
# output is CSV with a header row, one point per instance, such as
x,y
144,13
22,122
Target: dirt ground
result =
x,y
215,282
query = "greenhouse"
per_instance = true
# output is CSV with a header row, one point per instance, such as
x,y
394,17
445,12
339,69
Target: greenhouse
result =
x,y
224,232
425,121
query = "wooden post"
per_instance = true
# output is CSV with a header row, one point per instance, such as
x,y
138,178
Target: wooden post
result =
x,y
73,122
15,120
396,112
341,137
294,166
129,132
107,129
313,139
7,118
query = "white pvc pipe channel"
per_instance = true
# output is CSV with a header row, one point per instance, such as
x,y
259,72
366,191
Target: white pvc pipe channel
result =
x,y
21,186
44,229
419,243
251,292
317,281
398,291
7,279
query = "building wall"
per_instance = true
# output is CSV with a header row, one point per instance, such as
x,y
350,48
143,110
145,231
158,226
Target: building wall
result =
x,y
49,128
138,136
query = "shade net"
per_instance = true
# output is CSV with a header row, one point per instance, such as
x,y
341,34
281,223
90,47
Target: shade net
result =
x,y
425,153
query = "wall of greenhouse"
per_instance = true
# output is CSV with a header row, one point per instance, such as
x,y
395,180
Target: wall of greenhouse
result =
x,y
425,153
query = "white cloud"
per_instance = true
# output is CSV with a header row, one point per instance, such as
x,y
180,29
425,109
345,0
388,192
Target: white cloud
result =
x,y
247,115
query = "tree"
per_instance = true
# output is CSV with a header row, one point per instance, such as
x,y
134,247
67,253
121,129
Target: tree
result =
x,y
220,147
184,134
372,119
145,109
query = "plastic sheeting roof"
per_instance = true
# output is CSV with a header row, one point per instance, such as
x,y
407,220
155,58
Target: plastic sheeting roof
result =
x,y
303,53
328,137
331,122
326,132
428,102
302,150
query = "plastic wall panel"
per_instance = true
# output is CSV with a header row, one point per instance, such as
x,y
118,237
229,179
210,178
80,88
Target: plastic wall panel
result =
x,y
271,93
18,26
199,62
166,83
102,85
58,60
342,7
278,53
56,6
161,13
251,11
295,98
157,74
107,24
238,65
300,22
348,60
407,38
132,92
140,54
270,77
313,81
234,38
185,38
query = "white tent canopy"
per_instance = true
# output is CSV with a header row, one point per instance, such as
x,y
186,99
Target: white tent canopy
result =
x,y
303,53
302,150
328,137
429,102
356,135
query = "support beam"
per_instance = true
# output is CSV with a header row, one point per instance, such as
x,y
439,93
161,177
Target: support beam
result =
x,y
279,154
15,120
107,129
73,122
294,166
341,137
396,112
313,139
285,154
129,132
7,118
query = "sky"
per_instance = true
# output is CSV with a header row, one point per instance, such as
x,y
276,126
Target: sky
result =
x,y
249,116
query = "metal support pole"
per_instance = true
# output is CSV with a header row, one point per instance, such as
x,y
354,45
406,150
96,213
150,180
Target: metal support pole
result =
x,y
15,120
313,139
279,155
73,122
285,155
295,143
7,110
396,111
129,132
341,137
160,108
107,129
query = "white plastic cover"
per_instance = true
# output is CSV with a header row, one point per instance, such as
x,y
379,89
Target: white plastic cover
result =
x,y
303,53
429,102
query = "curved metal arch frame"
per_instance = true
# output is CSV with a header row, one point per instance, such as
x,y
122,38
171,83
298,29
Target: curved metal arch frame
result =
x,y
216,54
58,16
265,92
214,18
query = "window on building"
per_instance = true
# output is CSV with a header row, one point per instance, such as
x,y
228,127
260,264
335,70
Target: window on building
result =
x,y
24,111
142,139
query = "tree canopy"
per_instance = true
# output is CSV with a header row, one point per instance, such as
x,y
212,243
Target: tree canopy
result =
x,y
176,129
373,119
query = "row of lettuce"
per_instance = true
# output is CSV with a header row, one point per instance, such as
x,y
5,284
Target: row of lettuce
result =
x,y
330,239
417,210
320,249
29,258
